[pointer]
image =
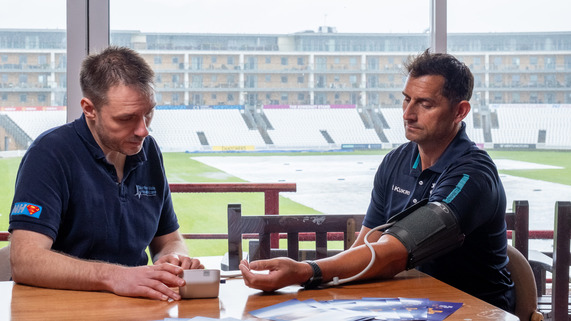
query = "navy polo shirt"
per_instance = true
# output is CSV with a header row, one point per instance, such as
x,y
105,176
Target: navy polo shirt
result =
x,y
66,189
466,179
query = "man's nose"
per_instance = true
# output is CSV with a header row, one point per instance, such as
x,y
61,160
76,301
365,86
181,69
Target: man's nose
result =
x,y
142,129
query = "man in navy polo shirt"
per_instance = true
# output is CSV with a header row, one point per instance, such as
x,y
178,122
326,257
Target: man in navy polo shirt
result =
x,y
447,194
92,195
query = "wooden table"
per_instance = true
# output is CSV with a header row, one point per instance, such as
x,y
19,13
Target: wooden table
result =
x,y
20,302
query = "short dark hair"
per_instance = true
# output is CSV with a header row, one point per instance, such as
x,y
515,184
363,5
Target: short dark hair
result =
x,y
111,67
458,79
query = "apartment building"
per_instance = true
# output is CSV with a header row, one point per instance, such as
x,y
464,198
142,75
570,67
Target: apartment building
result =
x,y
307,68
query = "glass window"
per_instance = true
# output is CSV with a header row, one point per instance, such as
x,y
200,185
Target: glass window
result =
x,y
531,58
332,51
32,44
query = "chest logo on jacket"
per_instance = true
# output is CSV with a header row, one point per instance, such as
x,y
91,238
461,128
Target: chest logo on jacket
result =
x,y
145,191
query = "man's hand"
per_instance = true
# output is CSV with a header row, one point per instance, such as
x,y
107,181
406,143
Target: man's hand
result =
x,y
151,281
283,272
185,262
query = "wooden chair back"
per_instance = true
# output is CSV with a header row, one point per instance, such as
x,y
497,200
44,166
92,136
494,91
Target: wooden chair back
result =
x,y
518,222
293,225
561,237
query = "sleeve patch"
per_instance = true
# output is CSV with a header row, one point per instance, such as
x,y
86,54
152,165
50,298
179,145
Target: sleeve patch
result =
x,y
27,209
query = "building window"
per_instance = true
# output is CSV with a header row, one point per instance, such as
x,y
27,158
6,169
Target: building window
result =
x,y
533,98
300,61
230,60
533,80
373,63
353,80
284,79
41,98
158,60
300,97
268,59
230,97
213,58
42,60
284,61
477,81
4,97
175,98
300,79
549,63
23,98
533,60
175,60
497,62
284,97
268,78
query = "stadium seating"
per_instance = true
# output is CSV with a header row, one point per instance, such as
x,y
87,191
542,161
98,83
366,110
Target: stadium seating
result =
x,y
176,129
36,122
298,127
542,125
521,124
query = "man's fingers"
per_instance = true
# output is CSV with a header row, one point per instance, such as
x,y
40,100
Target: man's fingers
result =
x,y
159,291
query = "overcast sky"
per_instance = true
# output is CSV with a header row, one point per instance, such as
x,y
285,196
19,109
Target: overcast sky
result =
x,y
289,16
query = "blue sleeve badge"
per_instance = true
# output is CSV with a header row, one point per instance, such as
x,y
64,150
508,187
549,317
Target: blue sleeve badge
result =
x,y
27,209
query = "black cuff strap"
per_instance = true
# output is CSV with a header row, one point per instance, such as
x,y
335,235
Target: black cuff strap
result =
x,y
316,279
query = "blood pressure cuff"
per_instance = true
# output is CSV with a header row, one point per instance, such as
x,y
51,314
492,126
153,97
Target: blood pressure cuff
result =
x,y
427,230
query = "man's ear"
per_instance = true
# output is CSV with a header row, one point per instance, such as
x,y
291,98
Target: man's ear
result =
x,y
88,108
463,108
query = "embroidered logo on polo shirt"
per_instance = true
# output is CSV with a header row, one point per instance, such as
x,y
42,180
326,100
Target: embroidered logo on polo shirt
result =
x,y
29,209
145,191
401,190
